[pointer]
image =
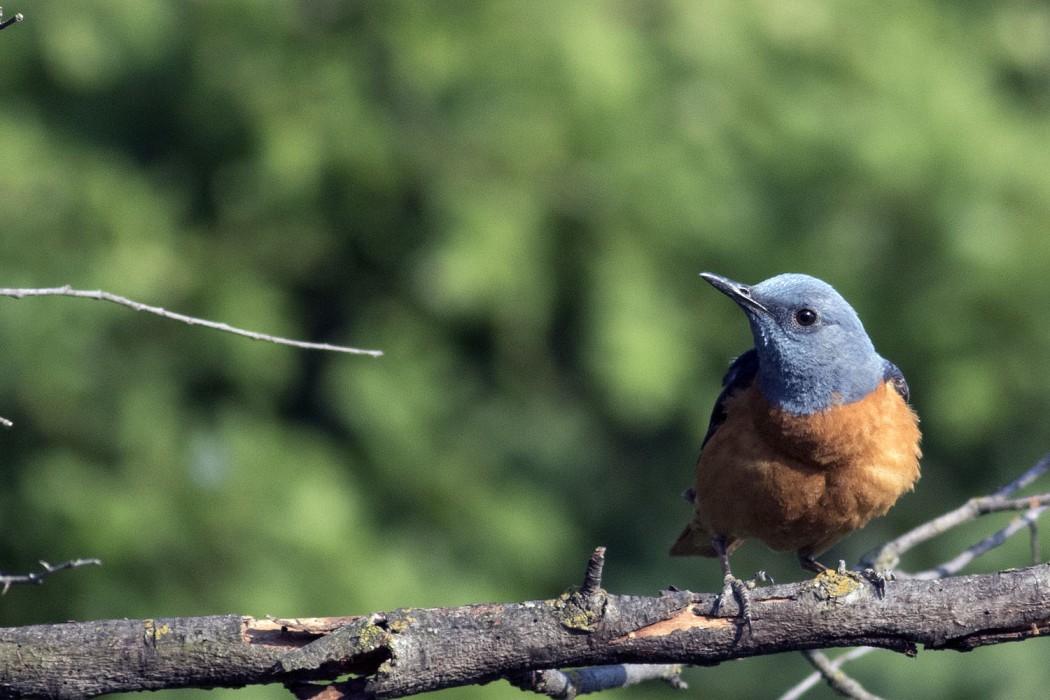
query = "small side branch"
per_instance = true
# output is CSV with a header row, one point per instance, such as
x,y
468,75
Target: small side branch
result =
x,y
37,577
839,681
960,561
5,23
888,555
581,681
811,680
592,579
100,295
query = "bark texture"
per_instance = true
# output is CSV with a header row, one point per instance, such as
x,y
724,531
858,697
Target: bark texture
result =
x,y
409,651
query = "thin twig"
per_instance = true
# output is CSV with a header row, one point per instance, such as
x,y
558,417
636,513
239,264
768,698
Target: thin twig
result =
x,y
949,568
839,681
1030,475
37,577
971,510
100,295
888,555
996,504
5,23
812,679
957,563
592,579
581,681
1033,541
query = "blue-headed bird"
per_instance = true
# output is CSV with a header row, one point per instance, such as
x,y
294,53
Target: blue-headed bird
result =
x,y
811,437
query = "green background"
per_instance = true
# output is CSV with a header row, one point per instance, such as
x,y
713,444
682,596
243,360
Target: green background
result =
x,y
512,201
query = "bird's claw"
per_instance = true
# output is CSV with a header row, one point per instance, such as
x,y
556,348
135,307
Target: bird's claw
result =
x,y
877,579
759,577
736,589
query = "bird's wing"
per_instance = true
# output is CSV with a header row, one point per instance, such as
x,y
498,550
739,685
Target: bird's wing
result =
x,y
740,374
893,374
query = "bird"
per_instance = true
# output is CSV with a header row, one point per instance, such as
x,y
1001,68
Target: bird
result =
x,y
811,436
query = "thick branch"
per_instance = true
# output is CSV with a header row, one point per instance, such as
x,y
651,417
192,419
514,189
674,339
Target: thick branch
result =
x,y
392,654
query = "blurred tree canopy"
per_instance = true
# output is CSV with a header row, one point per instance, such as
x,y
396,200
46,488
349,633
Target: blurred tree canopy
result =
x,y
512,200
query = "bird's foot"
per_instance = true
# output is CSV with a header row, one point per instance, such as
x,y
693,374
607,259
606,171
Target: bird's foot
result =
x,y
876,578
759,577
735,589
738,590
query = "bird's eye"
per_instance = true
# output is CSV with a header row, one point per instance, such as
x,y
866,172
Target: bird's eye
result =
x,y
805,317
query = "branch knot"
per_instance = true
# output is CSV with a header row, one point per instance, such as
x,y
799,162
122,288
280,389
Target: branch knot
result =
x,y
582,608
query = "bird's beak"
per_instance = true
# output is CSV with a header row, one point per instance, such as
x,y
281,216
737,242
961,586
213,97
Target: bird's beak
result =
x,y
740,293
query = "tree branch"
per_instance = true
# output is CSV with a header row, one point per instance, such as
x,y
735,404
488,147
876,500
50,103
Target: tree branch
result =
x,y
594,679
37,577
5,23
100,295
839,681
392,654
888,555
811,680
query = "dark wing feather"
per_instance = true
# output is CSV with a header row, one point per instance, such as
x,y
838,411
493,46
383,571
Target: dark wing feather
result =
x,y
893,374
740,374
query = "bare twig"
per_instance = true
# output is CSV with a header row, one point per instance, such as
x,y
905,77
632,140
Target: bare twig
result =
x,y
1036,506
581,681
888,555
592,579
5,23
569,684
989,543
1033,540
37,577
971,510
839,681
996,504
812,679
100,295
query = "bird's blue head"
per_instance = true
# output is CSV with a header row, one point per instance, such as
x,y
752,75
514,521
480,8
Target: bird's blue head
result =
x,y
813,352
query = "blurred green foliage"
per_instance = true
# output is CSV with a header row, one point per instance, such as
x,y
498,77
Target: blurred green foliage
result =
x,y
512,200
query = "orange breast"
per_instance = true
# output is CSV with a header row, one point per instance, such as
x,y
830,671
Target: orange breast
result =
x,y
803,482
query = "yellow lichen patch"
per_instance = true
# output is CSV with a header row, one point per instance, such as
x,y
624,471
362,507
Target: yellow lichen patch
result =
x,y
831,584
577,613
402,624
371,636
151,632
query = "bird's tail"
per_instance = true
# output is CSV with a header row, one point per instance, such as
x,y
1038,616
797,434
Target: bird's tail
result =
x,y
694,542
